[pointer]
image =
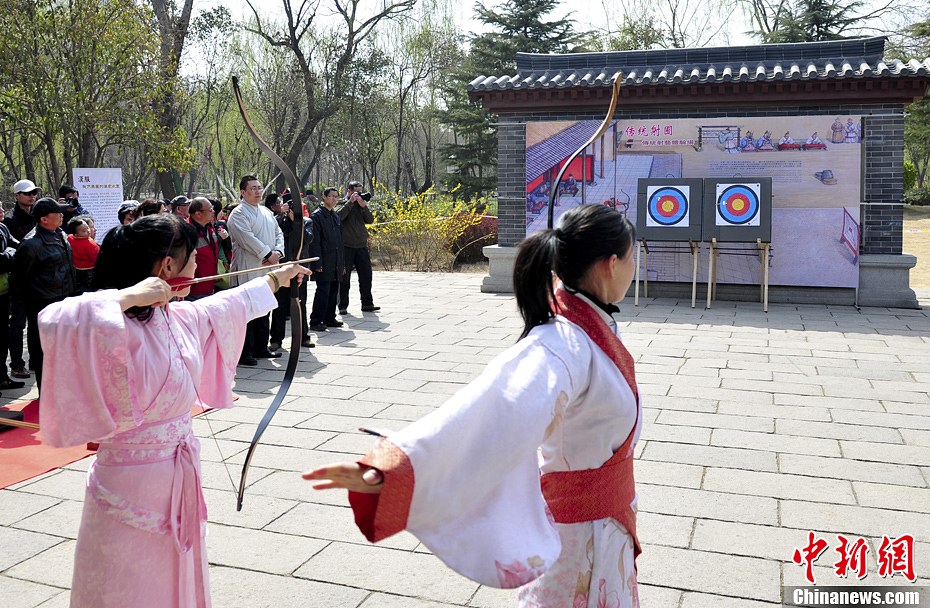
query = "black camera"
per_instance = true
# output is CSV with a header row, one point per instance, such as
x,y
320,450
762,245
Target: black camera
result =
x,y
365,196
73,202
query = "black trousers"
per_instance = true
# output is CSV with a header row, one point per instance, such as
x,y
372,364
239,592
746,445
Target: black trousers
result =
x,y
33,308
17,327
358,258
280,315
5,334
324,302
256,337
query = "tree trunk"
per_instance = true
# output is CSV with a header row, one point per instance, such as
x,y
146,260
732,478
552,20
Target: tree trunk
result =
x,y
172,27
53,164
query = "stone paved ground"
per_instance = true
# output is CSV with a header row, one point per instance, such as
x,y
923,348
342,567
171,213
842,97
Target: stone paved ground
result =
x,y
759,427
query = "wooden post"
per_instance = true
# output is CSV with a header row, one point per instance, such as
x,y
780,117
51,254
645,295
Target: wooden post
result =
x,y
694,255
18,424
761,251
765,275
639,246
646,269
710,270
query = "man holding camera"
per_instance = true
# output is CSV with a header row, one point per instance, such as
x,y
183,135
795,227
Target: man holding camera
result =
x,y
354,212
68,196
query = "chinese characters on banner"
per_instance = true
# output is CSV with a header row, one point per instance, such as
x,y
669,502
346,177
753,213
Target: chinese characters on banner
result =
x,y
654,135
101,193
895,556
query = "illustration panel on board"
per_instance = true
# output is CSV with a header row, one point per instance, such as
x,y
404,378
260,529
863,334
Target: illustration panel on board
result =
x,y
738,210
671,209
815,163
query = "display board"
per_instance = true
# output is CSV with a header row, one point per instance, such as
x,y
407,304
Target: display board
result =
x,y
738,210
814,163
672,209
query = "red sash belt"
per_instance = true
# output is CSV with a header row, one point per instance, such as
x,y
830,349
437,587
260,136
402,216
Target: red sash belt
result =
x,y
591,494
609,490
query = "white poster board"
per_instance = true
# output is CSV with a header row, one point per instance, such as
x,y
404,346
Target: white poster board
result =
x,y
101,193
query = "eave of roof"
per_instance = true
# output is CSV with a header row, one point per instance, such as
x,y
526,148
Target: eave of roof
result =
x,y
801,64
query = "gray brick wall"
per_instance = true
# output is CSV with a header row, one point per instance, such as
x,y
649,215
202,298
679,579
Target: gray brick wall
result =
x,y
881,213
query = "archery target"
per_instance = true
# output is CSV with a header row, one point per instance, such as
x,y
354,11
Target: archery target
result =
x,y
738,205
668,206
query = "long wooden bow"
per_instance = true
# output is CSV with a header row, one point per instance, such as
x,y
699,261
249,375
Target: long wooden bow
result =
x,y
295,247
554,194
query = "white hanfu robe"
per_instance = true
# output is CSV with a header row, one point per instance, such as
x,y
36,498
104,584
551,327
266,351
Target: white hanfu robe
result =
x,y
465,479
131,385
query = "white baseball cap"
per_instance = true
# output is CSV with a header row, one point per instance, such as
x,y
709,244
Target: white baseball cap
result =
x,y
24,185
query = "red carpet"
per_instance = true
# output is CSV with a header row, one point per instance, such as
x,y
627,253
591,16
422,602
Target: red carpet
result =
x,y
23,455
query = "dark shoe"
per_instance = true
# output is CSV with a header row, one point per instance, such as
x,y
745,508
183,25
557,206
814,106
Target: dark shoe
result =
x,y
274,346
6,383
268,355
318,326
333,323
370,308
343,311
20,372
250,361
308,343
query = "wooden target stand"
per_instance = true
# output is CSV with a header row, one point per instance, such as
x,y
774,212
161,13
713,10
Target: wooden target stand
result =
x,y
642,249
680,236
762,250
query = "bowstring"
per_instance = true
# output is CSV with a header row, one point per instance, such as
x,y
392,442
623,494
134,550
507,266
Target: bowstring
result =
x,y
205,414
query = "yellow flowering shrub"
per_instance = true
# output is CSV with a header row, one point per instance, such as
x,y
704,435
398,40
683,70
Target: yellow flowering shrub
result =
x,y
419,231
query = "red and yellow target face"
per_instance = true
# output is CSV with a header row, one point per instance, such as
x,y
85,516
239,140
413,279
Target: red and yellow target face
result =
x,y
738,205
668,206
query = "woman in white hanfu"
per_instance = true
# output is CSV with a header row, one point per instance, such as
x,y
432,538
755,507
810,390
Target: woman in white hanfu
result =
x,y
524,478
124,369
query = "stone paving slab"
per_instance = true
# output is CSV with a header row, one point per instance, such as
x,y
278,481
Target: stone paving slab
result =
x,y
758,429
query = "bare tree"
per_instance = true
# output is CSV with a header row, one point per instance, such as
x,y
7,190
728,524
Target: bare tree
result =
x,y
322,60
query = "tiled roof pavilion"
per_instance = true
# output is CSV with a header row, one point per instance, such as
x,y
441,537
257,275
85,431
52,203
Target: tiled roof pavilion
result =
x,y
807,72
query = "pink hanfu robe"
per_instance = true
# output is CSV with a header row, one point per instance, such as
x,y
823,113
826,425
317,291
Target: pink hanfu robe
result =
x,y
465,479
130,385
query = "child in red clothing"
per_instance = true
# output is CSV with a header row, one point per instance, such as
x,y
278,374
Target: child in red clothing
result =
x,y
84,252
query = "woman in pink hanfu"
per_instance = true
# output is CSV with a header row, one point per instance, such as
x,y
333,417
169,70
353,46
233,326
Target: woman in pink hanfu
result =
x,y
124,370
524,478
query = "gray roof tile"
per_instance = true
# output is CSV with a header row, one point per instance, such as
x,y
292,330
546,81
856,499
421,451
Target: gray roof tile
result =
x,y
839,59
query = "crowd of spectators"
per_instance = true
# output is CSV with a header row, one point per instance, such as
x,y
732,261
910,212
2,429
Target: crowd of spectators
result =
x,y
49,248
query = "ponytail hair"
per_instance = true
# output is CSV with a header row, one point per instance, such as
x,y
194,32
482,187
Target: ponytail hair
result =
x,y
130,252
585,235
532,278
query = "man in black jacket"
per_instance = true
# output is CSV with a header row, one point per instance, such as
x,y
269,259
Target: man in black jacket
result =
x,y
355,214
43,272
328,271
7,250
20,222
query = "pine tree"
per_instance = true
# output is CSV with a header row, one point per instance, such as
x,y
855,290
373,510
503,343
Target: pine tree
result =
x,y
518,26
816,20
